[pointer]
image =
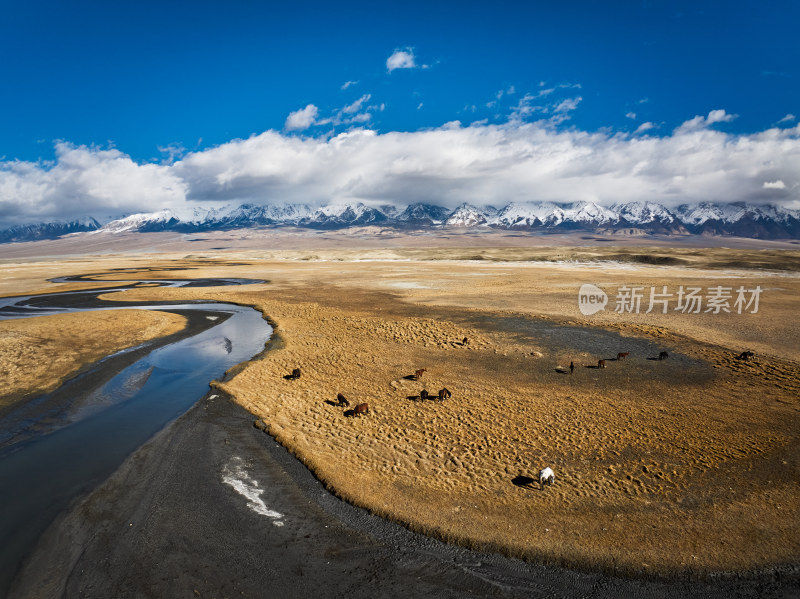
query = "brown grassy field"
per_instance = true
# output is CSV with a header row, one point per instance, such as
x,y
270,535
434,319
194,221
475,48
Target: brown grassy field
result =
x,y
689,464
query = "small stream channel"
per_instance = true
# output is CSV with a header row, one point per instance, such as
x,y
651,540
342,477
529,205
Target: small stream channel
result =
x,y
59,446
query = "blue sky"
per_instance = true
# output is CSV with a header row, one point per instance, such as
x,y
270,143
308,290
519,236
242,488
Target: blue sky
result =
x,y
161,81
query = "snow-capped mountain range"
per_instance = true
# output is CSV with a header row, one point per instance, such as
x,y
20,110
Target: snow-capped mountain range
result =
x,y
738,219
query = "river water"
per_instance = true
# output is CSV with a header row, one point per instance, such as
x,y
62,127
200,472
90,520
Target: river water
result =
x,y
58,447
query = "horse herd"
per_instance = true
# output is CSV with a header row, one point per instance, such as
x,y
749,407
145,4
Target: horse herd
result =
x,y
362,409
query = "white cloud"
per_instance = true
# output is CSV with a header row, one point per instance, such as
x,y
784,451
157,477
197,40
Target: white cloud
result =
x,y
482,164
300,120
356,106
644,127
86,181
401,59
567,105
630,115
700,122
774,184
347,84
789,118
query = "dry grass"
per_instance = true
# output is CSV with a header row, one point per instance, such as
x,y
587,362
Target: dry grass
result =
x,y
686,465
38,354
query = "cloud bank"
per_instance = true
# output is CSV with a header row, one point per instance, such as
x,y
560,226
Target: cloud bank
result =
x,y
481,164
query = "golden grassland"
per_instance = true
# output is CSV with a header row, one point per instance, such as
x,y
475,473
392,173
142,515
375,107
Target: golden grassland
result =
x,y
38,354
684,465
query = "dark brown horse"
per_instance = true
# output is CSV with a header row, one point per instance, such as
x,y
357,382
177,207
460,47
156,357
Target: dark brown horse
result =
x,y
360,409
418,374
295,375
746,356
341,401
622,355
444,394
663,355
424,394
601,363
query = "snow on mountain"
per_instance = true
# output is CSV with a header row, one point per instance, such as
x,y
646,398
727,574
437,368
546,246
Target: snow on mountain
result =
x,y
344,215
588,212
142,222
419,214
466,215
698,214
48,230
550,214
522,215
640,213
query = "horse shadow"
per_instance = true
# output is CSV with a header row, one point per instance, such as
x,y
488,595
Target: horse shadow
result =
x,y
414,397
410,377
349,413
330,402
561,370
524,482
591,366
291,377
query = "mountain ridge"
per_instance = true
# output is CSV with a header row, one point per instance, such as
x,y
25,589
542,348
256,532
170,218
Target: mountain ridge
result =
x,y
759,221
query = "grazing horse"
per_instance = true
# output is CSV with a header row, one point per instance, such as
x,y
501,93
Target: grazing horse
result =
x,y
601,363
424,394
444,394
360,409
418,373
295,374
571,367
746,356
465,342
546,477
341,401
663,355
622,355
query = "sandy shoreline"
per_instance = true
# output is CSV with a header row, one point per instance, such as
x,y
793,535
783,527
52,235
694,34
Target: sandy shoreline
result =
x,y
640,489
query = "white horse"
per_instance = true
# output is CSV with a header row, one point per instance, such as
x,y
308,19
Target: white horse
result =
x,y
546,477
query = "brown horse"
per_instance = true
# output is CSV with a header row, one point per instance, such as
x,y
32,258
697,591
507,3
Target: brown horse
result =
x,y
360,409
622,355
341,401
418,374
444,394
295,375
601,363
424,394
746,356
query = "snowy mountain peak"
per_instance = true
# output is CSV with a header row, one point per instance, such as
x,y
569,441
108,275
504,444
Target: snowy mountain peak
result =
x,y
466,215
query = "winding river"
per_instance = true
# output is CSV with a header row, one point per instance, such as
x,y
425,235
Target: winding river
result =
x,y
59,446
